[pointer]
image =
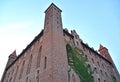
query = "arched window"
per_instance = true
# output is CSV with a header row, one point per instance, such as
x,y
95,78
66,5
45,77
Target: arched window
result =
x,y
21,70
89,67
29,64
15,74
95,70
39,57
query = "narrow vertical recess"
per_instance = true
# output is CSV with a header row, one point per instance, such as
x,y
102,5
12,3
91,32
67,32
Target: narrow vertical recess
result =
x,y
45,62
29,64
15,74
21,70
39,57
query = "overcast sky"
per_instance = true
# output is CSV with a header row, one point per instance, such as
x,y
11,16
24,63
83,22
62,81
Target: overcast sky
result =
x,y
96,21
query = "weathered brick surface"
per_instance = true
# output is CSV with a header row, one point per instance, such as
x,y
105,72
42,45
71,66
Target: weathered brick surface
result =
x,y
53,42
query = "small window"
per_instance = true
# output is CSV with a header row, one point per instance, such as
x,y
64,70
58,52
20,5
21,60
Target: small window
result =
x,y
83,48
86,58
101,72
37,78
76,36
102,65
45,62
57,22
92,78
89,51
89,67
27,79
99,80
106,74
92,60
98,63
77,42
12,71
95,70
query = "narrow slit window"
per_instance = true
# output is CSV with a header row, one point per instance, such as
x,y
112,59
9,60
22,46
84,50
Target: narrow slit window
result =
x,y
45,62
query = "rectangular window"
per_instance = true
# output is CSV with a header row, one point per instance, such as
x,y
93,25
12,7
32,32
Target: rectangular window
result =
x,y
99,80
86,58
106,74
77,43
83,48
98,63
95,70
89,51
45,62
37,78
76,36
27,79
92,60
101,72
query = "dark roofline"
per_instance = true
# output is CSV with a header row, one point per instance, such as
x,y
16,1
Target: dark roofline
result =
x,y
34,40
53,5
96,52
67,33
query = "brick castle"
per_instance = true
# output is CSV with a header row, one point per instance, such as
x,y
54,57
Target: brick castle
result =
x,y
55,55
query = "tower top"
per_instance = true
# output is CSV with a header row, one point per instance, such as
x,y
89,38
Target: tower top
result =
x,y
13,54
101,47
53,5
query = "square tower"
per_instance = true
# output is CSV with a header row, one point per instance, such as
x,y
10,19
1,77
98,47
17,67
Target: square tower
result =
x,y
55,52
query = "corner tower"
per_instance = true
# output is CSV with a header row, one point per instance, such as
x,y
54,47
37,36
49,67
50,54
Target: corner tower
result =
x,y
11,59
104,51
54,46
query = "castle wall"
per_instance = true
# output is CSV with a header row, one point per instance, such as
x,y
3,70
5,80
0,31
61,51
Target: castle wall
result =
x,y
45,58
